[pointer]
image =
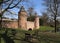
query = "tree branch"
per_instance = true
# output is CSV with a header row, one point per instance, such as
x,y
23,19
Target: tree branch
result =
x,y
7,7
15,5
11,12
51,9
5,1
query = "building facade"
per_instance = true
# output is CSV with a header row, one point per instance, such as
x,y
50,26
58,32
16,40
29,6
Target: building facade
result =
x,y
22,22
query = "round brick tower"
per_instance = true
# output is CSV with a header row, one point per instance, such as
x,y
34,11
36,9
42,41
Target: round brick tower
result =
x,y
22,19
36,22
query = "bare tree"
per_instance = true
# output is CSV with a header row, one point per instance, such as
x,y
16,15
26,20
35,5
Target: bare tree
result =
x,y
44,18
31,14
30,11
5,5
53,7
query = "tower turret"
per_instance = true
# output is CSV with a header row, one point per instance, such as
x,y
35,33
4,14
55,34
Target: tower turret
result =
x,y
22,18
36,22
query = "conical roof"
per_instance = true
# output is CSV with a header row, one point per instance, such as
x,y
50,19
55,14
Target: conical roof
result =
x,y
22,8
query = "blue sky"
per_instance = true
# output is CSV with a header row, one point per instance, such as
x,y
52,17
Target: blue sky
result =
x,y
39,7
36,4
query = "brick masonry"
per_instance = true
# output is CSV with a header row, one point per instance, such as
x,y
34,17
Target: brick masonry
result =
x,y
22,22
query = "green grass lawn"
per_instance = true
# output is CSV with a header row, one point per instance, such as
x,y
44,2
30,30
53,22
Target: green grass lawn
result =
x,y
45,28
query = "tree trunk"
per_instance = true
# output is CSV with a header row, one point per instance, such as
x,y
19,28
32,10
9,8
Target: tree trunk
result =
x,y
55,24
1,22
0,17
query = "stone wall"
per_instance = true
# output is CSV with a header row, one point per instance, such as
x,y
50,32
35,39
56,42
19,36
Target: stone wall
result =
x,y
36,22
30,25
10,24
